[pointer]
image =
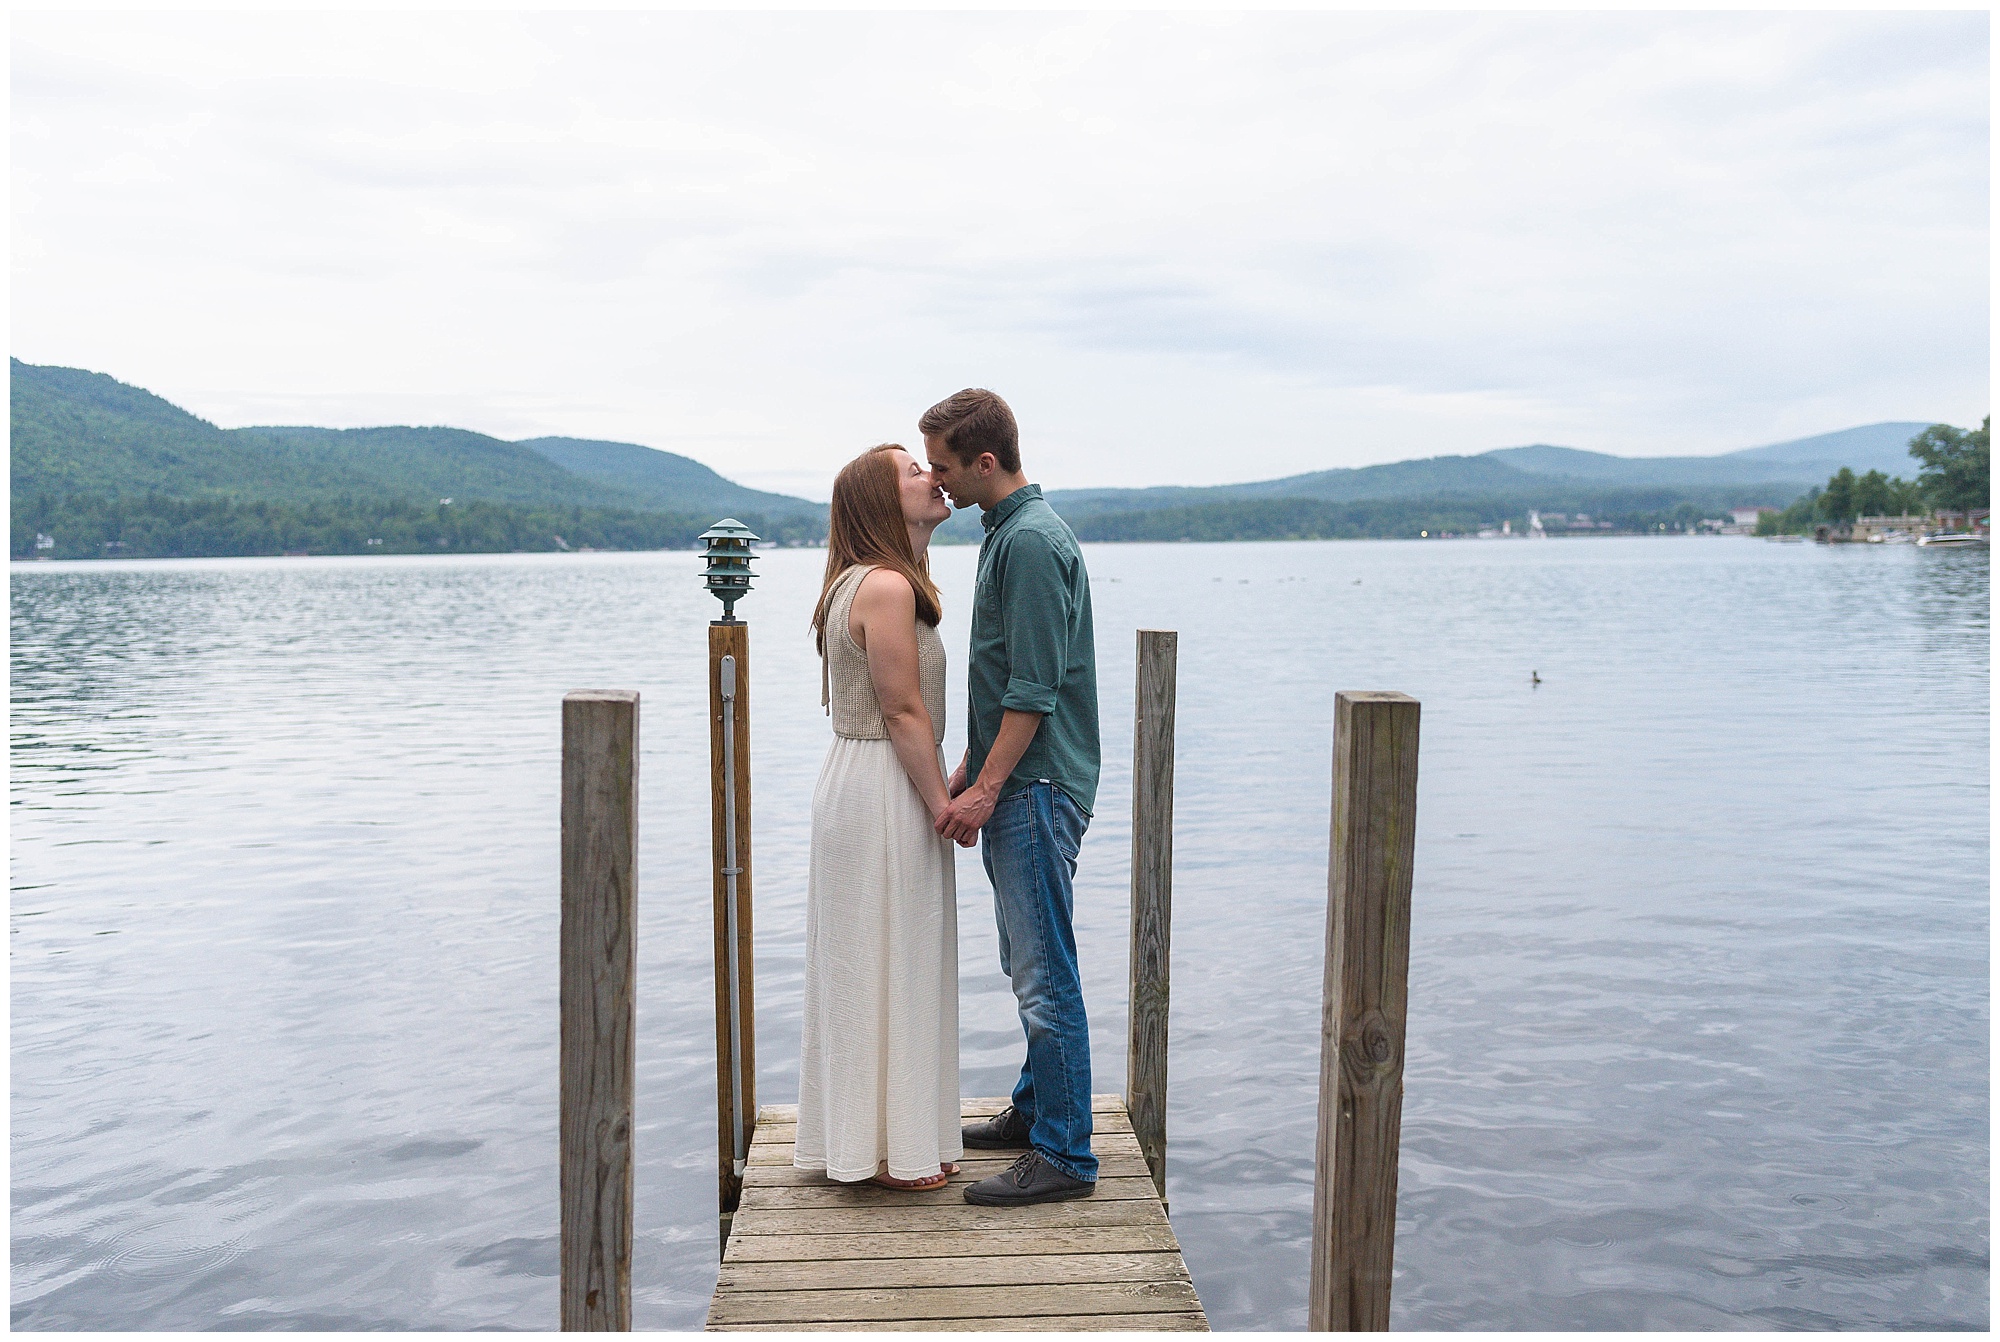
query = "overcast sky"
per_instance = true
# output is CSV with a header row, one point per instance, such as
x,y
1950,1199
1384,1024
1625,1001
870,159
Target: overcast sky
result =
x,y
1188,249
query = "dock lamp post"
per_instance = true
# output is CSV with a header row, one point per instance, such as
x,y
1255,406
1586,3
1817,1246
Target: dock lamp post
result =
x,y
727,577
728,571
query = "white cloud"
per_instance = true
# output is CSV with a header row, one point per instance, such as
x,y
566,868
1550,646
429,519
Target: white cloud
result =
x,y
1189,248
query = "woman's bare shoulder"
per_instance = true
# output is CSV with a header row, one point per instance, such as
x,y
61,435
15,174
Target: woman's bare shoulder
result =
x,y
888,587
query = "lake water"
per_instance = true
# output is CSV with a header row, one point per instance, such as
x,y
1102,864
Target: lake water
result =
x,y
1699,1000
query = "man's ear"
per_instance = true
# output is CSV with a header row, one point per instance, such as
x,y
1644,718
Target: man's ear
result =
x,y
987,463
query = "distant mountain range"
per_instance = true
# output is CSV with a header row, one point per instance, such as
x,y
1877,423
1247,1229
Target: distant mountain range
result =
x,y
1783,467
77,432
1506,481
90,449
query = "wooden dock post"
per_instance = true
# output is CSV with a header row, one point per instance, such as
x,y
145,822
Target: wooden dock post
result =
x,y
1152,894
1364,1009
600,791
735,1004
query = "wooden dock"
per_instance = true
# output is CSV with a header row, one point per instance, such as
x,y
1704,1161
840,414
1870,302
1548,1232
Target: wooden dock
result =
x,y
809,1255
801,1253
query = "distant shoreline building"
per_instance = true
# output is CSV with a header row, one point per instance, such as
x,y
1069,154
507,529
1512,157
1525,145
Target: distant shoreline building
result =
x,y
1743,521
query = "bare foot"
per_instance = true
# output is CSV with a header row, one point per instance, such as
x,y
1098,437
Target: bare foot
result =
x,y
884,1179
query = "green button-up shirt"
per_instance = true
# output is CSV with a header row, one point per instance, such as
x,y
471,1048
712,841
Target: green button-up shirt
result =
x,y
1033,647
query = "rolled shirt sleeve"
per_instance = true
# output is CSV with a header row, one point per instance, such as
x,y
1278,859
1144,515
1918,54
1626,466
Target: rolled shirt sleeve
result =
x,y
1032,648
1036,621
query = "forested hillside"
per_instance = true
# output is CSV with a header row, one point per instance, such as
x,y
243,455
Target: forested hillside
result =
x,y
76,432
1397,479
423,465
661,479
101,468
1535,476
1621,510
94,526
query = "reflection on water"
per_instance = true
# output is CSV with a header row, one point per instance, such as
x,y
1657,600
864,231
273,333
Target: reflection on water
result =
x,y
1698,985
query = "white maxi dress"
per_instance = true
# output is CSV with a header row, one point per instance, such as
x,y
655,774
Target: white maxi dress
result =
x,y
878,1065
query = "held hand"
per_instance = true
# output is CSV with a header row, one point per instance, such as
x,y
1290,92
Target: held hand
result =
x,y
968,812
957,783
938,806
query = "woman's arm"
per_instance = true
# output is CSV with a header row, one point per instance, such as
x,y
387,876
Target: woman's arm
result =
x,y
884,623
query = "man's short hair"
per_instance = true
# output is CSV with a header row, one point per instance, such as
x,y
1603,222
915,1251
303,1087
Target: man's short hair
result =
x,y
975,421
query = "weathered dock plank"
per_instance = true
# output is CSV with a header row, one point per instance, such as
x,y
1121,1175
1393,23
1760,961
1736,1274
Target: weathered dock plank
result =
x,y
1047,1323
806,1254
966,1244
865,1305
865,1220
1011,1270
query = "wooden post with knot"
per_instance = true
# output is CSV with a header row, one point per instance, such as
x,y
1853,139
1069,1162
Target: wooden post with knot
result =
x,y
1364,1009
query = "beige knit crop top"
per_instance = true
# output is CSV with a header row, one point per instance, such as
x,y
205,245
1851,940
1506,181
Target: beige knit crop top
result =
x,y
846,688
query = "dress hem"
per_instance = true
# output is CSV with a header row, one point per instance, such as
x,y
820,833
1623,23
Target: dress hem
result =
x,y
841,1176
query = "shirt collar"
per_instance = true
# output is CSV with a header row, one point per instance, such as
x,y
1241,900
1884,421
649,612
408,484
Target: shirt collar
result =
x,y
1007,507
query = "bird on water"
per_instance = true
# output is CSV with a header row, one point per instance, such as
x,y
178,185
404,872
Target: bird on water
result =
x,y
1534,677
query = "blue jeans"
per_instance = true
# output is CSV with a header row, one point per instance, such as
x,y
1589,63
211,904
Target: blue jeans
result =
x,y
1030,846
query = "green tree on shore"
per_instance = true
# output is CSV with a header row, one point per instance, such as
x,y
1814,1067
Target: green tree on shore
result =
x,y
152,526
1956,465
1871,495
1879,495
1836,501
1846,497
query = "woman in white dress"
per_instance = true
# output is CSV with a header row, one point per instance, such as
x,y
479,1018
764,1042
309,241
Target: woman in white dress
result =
x,y
878,1067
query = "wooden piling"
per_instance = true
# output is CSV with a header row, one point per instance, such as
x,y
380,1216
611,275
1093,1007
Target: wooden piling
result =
x,y
735,1049
1152,894
1364,1008
600,790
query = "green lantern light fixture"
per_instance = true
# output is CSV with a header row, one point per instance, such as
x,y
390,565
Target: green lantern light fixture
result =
x,y
728,571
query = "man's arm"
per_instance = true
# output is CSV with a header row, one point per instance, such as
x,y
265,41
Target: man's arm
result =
x,y
1034,625
972,808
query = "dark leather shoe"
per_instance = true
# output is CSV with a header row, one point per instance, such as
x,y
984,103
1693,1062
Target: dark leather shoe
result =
x,y
1026,1182
1005,1131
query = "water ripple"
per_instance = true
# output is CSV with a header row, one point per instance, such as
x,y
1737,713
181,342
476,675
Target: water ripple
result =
x,y
1698,1009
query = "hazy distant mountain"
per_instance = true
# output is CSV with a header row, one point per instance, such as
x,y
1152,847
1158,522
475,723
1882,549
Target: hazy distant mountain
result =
x,y
663,479
1883,447
1490,475
101,465
1774,474
1396,479
1871,447
1566,506
1568,463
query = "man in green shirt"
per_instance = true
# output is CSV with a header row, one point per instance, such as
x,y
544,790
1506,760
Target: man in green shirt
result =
x,y
1026,785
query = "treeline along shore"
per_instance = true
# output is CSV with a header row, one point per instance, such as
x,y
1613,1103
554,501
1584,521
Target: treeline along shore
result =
x,y
101,469
153,526
1605,512
1955,484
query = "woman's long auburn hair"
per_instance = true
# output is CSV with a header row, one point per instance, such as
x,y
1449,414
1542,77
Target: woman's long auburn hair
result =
x,y
865,525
